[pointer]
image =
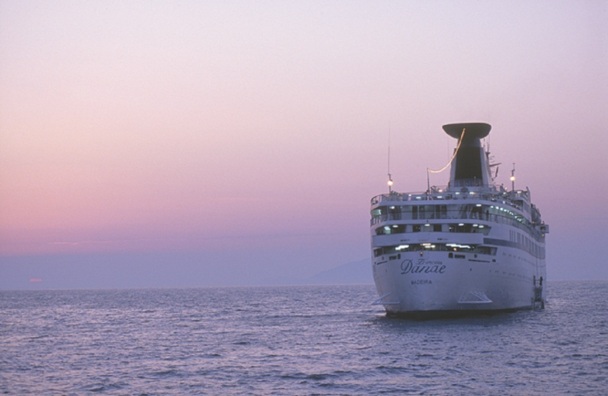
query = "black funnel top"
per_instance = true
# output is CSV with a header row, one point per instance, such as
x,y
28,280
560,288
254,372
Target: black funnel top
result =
x,y
474,130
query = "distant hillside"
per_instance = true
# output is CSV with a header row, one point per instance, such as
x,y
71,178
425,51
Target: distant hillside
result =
x,y
154,270
356,272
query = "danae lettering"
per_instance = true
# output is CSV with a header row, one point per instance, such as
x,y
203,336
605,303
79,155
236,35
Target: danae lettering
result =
x,y
422,267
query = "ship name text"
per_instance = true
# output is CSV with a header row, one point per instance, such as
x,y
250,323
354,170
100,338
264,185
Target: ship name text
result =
x,y
422,266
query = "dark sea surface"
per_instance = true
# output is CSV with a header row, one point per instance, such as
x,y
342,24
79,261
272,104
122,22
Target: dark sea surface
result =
x,y
326,340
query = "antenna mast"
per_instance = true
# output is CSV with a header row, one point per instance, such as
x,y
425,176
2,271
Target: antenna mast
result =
x,y
513,178
390,179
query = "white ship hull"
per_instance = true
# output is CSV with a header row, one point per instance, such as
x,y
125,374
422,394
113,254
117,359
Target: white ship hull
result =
x,y
431,282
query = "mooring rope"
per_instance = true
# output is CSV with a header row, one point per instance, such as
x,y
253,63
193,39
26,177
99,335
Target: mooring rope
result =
x,y
453,156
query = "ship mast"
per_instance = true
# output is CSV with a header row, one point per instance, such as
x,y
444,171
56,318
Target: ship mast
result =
x,y
390,178
513,178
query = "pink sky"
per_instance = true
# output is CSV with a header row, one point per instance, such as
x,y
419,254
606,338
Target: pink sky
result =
x,y
263,126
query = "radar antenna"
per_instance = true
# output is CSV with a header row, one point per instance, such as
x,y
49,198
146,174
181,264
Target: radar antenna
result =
x,y
491,162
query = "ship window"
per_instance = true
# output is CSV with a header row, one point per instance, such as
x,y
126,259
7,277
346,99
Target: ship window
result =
x,y
417,228
393,229
469,228
395,212
485,250
437,227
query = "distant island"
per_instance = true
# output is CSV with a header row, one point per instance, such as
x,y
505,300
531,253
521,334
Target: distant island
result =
x,y
356,272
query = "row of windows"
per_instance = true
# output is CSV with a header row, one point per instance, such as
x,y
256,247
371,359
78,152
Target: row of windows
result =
x,y
491,213
447,247
427,212
459,227
527,244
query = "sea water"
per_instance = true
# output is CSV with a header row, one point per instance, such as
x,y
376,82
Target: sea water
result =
x,y
326,340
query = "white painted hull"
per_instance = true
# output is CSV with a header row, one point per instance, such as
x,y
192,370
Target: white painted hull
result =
x,y
431,282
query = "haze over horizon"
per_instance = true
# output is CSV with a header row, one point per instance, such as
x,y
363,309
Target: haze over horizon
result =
x,y
233,143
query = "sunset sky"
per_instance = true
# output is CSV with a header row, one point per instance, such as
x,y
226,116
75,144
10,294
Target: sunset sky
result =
x,y
235,142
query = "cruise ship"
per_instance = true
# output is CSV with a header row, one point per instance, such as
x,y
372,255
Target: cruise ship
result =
x,y
469,247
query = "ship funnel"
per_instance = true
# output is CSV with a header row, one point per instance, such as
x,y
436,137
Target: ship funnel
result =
x,y
470,163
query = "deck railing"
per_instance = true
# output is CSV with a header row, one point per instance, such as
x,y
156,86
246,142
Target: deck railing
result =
x,y
511,198
458,215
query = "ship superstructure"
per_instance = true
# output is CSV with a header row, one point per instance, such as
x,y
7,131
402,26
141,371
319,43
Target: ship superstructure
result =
x,y
470,246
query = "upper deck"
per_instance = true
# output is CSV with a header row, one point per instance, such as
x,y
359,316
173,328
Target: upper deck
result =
x,y
471,192
517,199
492,205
